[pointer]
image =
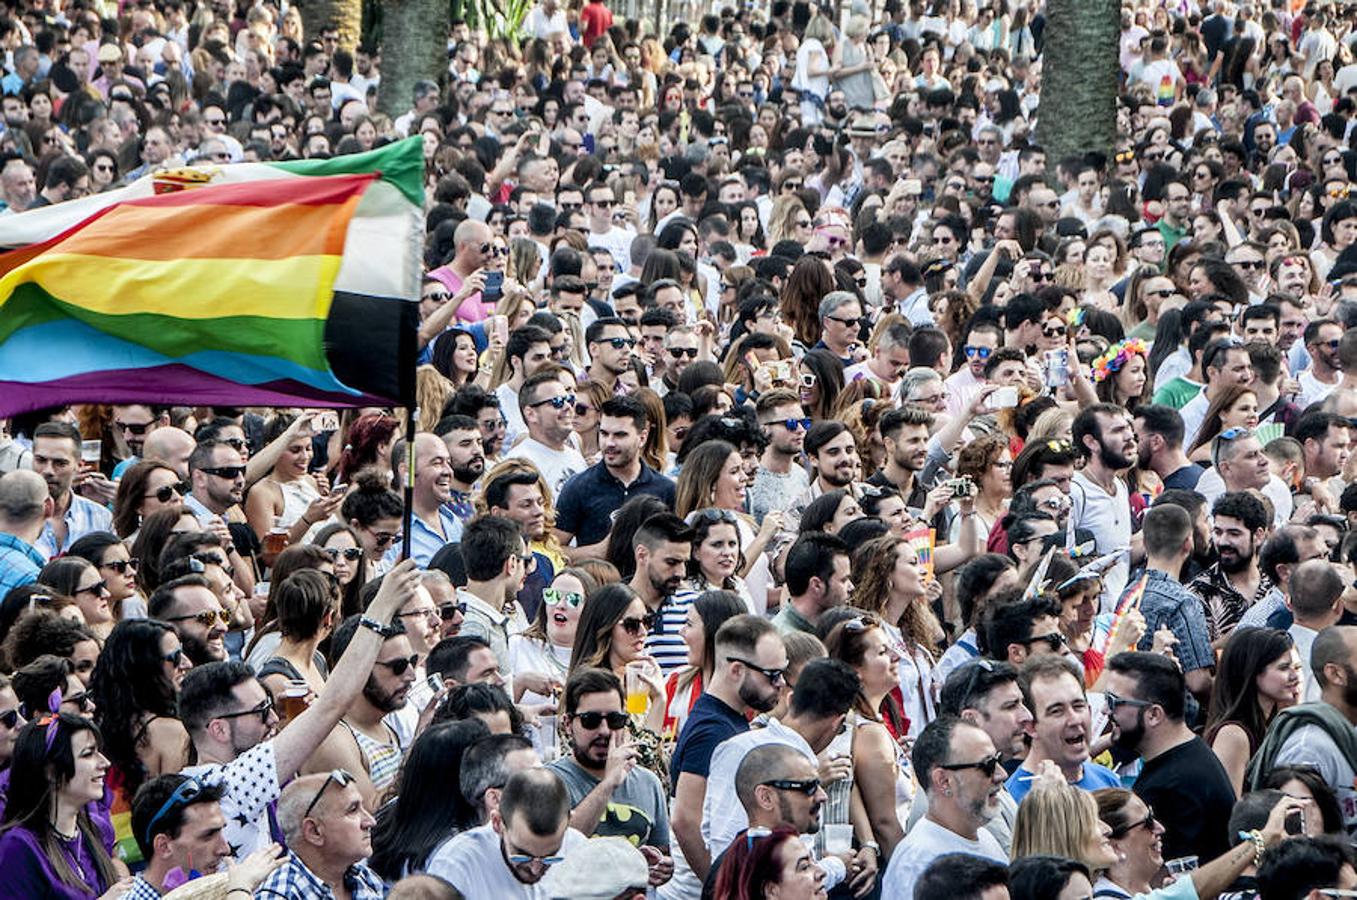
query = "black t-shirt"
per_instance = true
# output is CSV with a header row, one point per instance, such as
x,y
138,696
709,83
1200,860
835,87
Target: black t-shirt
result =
x,y
1192,798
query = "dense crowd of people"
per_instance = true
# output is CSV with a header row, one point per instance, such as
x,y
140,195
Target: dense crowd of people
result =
x,y
817,488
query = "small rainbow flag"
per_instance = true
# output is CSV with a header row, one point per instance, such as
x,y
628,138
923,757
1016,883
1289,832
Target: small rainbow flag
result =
x,y
270,284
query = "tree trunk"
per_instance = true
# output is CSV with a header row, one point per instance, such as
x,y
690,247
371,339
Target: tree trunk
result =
x,y
415,47
1079,75
344,15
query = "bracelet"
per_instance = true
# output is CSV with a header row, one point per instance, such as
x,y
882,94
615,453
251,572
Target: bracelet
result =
x,y
373,625
1259,846
872,846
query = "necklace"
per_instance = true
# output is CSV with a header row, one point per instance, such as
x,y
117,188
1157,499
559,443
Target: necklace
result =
x,y
68,838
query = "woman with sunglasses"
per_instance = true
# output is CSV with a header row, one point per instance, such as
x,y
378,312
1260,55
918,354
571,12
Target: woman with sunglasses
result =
x,y
611,633
343,546
77,578
880,762
135,687
145,488
1259,674
34,684
50,843
1137,836
306,604
374,512
110,556
540,656
589,399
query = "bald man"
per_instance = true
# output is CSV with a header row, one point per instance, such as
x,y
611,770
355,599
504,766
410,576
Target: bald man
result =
x,y
171,446
329,834
432,525
472,250
25,504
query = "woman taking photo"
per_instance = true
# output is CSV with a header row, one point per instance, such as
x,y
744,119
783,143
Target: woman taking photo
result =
x,y
539,658
702,619
1259,673
890,585
987,462
135,687
288,498
145,488
115,565
881,768
48,842
713,477
611,634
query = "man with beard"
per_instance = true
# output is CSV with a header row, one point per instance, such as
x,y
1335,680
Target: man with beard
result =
x,y
1234,583
818,579
1099,499
1203,551
1160,450
779,479
190,607
231,721
466,456
365,744
905,433
833,453
1320,734
1053,689
432,525
1322,338
820,703
662,547
960,771
985,693
548,409
610,795
496,563
1182,780
1166,603
751,662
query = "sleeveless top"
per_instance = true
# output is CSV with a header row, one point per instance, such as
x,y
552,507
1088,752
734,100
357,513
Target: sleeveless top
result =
x,y
383,761
297,496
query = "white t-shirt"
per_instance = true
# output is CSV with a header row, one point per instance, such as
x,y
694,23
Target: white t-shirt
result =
x,y
542,26
531,655
859,371
556,466
1109,518
925,843
1211,486
514,427
618,241
1311,745
1194,414
723,817
1312,390
473,863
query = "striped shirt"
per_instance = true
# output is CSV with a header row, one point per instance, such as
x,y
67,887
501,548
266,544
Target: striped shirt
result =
x,y
664,642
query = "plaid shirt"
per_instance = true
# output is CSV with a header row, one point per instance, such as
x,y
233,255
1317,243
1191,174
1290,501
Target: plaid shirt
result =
x,y
1223,604
20,563
294,881
141,889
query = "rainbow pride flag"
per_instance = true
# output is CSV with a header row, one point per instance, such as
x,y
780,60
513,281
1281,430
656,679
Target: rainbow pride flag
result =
x,y
258,284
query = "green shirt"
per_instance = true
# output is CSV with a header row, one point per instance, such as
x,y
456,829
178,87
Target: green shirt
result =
x,y
1171,235
1177,392
788,620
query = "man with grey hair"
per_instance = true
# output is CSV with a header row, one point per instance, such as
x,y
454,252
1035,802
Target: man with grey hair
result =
x,y
487,767
425,101
25,504
888,362
840,326
329,834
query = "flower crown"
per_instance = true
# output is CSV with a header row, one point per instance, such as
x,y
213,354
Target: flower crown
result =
x,y
1116,356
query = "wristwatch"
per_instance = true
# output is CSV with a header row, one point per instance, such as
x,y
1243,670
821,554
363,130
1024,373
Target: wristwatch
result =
x,y
373,624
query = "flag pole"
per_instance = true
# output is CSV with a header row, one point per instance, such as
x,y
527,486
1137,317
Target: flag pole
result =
x,y
408,500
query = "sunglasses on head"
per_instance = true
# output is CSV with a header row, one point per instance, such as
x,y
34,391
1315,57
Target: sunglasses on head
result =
x,y
557,597
400,664
591,720
352,554
634,626
339,777
183,795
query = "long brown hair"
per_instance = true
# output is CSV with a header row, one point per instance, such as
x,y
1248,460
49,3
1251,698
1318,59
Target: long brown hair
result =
x,y
847,642
872,590
1228,396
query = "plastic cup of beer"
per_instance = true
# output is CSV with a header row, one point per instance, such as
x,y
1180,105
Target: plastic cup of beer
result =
x,y
638,692
294,699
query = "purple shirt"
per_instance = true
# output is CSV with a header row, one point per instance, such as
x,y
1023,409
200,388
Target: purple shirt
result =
x,y
28,873
99,812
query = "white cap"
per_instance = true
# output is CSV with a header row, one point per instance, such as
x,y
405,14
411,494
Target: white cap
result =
x,y
598,869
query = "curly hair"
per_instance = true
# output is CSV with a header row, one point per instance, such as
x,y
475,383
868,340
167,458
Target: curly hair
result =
x,y
874,570
975,458
44,630
129,683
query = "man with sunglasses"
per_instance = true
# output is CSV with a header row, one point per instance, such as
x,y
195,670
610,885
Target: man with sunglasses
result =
x,y
1323,338
464,278
960,771
528,833
230,719
329,833
190,606
780,478
610,346
840,326
1182,780
610,795
548,409
983,339
603,232
216,473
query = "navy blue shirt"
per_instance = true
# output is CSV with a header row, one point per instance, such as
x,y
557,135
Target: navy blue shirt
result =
x,y
1186,478
588,500
709,723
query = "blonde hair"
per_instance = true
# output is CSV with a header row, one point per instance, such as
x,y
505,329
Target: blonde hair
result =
x,y
1056,819
1054,424
782,216
819,29
432,390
